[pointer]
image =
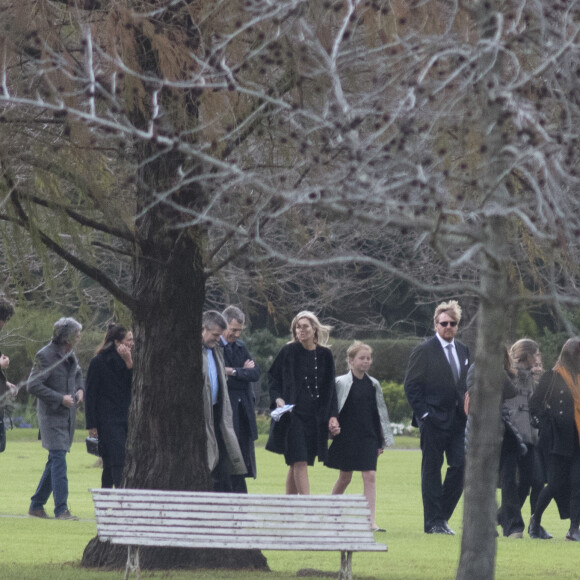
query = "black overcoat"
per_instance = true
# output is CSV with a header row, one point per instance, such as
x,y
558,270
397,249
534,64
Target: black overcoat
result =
x,y
242,394
107,400
284,385
552,406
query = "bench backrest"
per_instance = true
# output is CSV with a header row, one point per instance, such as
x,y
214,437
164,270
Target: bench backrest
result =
x,y
239,521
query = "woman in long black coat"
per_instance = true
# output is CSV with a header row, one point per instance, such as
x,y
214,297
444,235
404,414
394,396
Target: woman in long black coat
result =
x,y
108,396
303,375
556,407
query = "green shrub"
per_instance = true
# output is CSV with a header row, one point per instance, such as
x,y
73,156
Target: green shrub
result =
x,y
263,346
397,404
263,421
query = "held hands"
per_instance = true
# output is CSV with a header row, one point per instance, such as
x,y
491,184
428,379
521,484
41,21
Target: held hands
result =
x,y
125,353
333,426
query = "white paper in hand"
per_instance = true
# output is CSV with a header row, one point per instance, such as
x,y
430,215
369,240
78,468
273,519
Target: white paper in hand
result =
x,y
279,411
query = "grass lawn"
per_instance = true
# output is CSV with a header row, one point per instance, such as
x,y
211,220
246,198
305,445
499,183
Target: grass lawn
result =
x,y
32,549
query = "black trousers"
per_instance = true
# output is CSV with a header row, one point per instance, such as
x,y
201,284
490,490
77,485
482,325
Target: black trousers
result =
x,y
243,433
112,439
517,479
563,483
440,497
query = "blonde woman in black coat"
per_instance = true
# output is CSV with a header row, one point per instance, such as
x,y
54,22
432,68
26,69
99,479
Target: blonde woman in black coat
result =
x,y
303,375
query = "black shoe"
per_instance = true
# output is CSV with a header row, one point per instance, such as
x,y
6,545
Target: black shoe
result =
x,y
536,531
437,529
447,529
545,535
573,535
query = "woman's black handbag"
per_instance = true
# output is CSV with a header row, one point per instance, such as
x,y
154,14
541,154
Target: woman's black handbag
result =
x,y
2,435
92,446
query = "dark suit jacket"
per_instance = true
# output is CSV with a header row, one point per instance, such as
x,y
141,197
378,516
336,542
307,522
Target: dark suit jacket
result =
x,y
429,384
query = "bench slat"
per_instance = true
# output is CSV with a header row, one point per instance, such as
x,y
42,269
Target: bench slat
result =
x,y
174,509
306,523
231,499
250,544
289,533
240,517
219,497
230,503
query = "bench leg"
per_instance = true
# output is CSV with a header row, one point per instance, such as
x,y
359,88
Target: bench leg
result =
x,y
345,566
133,562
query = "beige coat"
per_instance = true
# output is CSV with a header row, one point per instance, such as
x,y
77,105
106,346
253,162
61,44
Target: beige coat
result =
x,y
235,461
343,385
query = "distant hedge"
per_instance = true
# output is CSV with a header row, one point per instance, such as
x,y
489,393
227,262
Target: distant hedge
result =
x,y
390,357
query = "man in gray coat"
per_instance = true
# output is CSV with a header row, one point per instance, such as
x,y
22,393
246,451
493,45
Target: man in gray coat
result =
x,y
56,381
224,456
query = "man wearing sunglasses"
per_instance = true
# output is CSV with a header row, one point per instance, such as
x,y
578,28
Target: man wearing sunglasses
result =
x,y
435,387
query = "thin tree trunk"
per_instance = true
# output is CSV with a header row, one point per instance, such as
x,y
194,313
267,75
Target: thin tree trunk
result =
x,y
478,549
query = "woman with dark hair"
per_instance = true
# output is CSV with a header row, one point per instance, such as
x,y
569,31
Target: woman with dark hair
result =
x,y
108,395
555,405
303,375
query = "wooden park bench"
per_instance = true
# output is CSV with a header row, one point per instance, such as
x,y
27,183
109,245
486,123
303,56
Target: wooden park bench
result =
x,y
136,517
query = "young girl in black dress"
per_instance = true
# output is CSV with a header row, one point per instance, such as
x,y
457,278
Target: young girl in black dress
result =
x,y
365,427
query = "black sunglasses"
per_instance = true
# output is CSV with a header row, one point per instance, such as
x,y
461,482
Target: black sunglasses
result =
x,y
444,324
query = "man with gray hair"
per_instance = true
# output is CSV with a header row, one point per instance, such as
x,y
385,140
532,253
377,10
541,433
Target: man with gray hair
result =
x,y
241,371
56,381
224,457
